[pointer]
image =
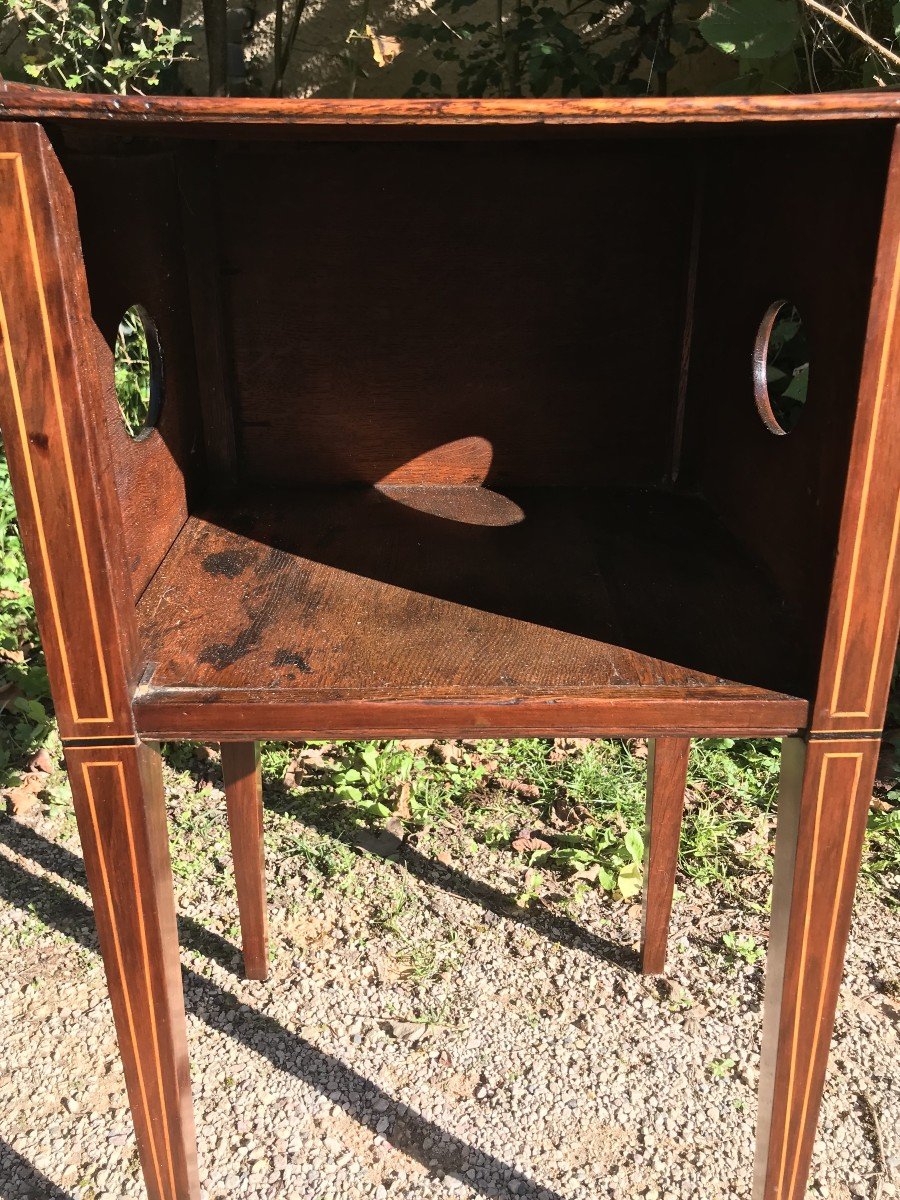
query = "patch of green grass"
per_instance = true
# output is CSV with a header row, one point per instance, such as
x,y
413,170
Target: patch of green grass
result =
x,y
198,828
584,804
26,721
327,857
720,1068
732,788
881,862
399,913
744,946
372,778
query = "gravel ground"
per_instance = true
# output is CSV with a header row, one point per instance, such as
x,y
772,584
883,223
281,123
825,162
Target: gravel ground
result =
x,y
422,1034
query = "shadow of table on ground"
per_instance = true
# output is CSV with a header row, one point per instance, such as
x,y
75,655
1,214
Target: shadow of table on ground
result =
x,y
223,1012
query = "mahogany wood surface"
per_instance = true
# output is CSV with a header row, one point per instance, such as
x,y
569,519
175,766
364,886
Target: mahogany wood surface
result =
x,y
50,393
503,344
329,596
121,812
193,112
864,609
823,803
173,713
244,800
781,496
51,409
200,188
129,220
667,766
515,519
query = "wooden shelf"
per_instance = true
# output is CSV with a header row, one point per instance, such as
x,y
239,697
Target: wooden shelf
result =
x,y
446,610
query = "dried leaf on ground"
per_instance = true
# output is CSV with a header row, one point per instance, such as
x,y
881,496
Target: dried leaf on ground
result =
x,y
403,810
42,761
385,842
565,815
525,842
405,1031
306,760
448,752
293,774
528,791
22,798
588,876
572,743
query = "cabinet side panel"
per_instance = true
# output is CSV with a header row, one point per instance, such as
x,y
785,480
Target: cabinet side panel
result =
x,y
129,214
58,453
789,216
863,617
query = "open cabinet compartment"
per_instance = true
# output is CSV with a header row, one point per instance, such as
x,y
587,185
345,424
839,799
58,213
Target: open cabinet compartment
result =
x,y
458,428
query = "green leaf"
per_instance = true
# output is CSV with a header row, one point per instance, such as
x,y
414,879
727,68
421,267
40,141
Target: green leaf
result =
x,y
798,387
606,879
895,13
630,880
751,29
634,844
32,709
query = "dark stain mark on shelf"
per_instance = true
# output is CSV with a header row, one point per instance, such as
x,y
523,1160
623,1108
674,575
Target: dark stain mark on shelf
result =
x,y
288,658
229,563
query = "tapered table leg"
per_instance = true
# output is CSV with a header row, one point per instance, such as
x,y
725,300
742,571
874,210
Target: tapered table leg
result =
x,y
243,796
120,808
666,778
824,797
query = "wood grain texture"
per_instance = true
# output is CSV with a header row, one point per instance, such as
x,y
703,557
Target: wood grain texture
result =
x,y
454,523
331,597
666,778
781,496
120,807
824,800
129,220
21,101
200,189
169,713
244,800
50,392
864,610
487,351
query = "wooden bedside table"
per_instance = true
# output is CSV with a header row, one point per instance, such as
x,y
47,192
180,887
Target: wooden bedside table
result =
x,y
533,471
